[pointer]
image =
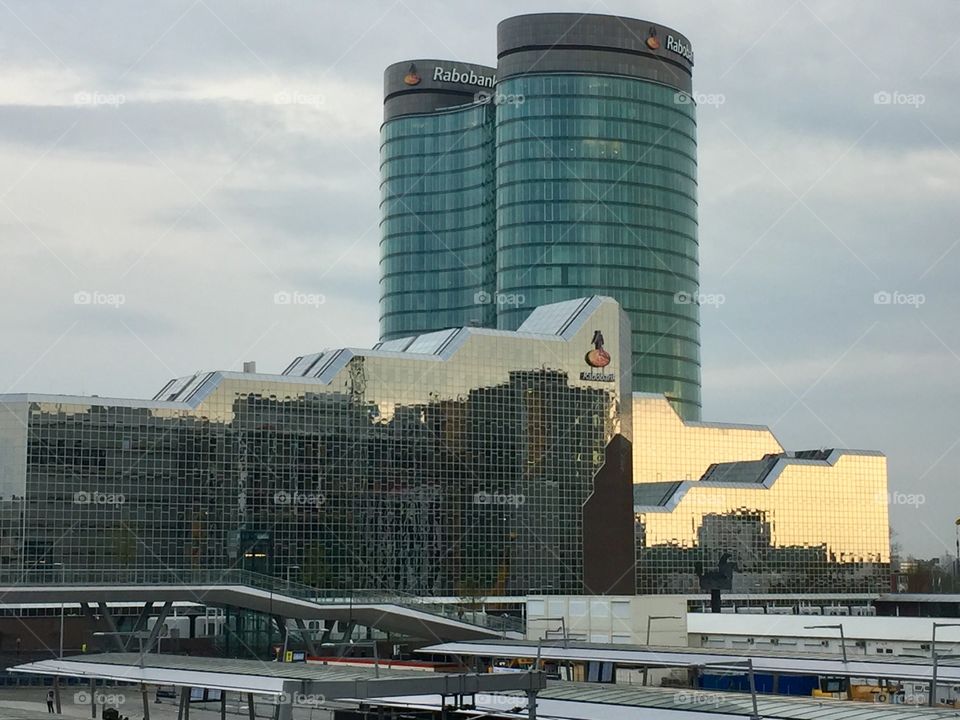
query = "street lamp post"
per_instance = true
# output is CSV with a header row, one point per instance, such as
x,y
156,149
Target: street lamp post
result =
x,y
650,619
956,560
932,699
838,626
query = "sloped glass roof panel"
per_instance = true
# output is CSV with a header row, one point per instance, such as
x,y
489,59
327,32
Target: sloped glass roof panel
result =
x,y
430,343
302,366
397,345
173,388
551,319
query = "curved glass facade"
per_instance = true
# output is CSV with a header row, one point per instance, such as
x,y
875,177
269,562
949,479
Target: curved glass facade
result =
x,y
437,247
597,194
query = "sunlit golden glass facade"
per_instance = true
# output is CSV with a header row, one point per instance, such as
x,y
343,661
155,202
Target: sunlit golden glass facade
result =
x,y
670,448
467,461
804,522
461,462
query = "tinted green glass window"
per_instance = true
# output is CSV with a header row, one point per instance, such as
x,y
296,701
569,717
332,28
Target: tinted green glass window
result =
x,y
436,229
597,194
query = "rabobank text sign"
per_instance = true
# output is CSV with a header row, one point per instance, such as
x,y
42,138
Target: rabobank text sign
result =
x,y
463,77
680,47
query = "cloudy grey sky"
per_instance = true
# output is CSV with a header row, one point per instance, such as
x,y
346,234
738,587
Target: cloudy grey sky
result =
x,y
198,156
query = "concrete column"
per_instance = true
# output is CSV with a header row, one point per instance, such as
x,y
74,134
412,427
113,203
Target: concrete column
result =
x,y
183,713
56,694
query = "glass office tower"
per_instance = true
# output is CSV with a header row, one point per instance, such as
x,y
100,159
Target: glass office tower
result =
x,y
570,173
597,183
437,246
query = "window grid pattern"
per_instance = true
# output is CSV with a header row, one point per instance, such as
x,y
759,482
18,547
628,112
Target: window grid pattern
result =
x,y
597,194
437,247
464,476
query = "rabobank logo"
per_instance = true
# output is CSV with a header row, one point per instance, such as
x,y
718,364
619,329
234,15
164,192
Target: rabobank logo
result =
x,y
464,77
598,357
412,77
653,42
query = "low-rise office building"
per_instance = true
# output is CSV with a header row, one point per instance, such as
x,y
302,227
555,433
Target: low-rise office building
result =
x,y
468,462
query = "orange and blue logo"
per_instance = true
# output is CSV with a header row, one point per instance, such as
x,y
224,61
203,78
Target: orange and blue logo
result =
x,y
412,77
598,357
653,42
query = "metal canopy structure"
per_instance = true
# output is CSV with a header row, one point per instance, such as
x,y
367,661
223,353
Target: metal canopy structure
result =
x,y
394,617
284,681
915,669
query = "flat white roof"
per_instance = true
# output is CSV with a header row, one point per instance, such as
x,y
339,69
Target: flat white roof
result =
x,y
900,668
907,629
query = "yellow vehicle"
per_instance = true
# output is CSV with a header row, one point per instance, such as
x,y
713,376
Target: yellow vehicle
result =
x,y
841,689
